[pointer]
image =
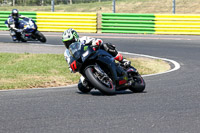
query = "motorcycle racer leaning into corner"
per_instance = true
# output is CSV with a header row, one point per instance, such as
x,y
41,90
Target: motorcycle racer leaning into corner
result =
x,y
15,24
70,36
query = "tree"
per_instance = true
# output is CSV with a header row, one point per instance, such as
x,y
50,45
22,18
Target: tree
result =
x,y
13,3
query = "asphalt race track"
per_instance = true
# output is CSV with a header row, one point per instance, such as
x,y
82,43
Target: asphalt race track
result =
x,y
170,103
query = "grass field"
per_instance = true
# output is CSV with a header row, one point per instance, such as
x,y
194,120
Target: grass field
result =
x,y
122,6
20,71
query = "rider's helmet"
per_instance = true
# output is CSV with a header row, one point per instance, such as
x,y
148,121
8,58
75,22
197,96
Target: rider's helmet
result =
x,y
15,13
70,36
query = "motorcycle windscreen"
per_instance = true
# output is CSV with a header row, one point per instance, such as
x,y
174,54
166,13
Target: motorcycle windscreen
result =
x,y
27,25
75,50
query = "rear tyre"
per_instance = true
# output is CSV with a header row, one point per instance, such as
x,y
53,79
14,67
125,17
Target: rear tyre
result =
x,y
40,37
138,84
105,85
23,40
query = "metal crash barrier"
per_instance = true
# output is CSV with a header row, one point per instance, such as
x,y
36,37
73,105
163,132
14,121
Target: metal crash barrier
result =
x,y
127,23
151,23
177,24
58,21
188,24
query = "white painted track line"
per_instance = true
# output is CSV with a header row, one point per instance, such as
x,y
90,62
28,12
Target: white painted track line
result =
x,y
176,64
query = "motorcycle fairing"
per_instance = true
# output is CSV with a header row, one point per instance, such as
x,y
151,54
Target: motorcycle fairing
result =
x,y
105,60
28,25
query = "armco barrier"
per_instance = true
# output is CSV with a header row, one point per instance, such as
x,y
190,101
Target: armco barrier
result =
x,y
59,21
177,24
127,23
151,23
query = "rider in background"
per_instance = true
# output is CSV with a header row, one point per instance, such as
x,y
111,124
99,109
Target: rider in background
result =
x,y
13,22
70,36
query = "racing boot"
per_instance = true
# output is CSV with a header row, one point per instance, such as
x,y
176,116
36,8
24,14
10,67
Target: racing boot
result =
x,y
84,86
123,61
13,34
14,38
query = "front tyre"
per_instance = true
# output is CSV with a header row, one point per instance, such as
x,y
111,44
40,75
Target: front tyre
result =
x,y
103,84
138,84
40,37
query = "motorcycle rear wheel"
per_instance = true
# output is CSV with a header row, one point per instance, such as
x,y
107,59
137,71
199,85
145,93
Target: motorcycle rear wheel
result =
x,y
22,39
138,85
98,84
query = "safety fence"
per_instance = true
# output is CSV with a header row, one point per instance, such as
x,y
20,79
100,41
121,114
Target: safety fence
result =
x,y
177,24
127,23
58,21
150,23
113,22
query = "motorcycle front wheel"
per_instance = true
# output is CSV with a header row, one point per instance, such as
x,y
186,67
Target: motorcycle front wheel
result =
x,y
103,84
40,37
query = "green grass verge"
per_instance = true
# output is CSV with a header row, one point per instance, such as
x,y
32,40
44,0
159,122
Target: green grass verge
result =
x,y
122,6
20,71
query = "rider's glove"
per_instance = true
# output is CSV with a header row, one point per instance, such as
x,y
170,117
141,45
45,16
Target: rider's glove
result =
x,y
14,29
97,43
19,30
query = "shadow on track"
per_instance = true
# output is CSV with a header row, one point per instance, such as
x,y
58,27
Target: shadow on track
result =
x,y
97,93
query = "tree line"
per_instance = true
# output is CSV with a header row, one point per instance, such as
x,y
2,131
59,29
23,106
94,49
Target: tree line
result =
x,y
44,2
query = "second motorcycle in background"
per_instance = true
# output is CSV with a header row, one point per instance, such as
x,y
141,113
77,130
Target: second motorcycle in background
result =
x,y
27,30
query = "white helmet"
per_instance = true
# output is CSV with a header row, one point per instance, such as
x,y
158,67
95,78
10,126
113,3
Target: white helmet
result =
x,y
69,36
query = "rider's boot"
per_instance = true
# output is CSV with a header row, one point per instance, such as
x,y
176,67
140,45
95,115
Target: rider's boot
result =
x,y
14,38
13,34
123,61
85,83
